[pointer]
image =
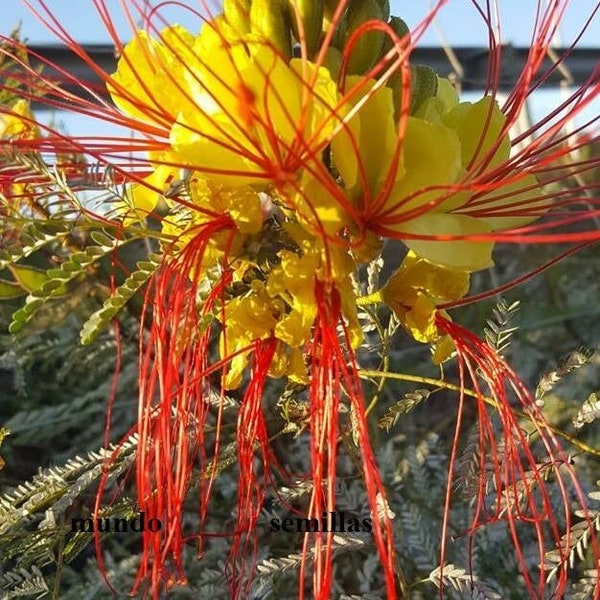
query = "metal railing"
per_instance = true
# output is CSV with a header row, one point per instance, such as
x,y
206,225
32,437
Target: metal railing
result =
x,y
467,66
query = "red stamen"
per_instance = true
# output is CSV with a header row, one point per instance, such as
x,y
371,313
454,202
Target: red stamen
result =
x,y
512,487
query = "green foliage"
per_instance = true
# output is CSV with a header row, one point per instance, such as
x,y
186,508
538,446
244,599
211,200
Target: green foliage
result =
x,y
577,540
460,580
54,402
589,411
42,557
33,237
34,530
111,307
500,327
573,361
56,280
410,401
22,583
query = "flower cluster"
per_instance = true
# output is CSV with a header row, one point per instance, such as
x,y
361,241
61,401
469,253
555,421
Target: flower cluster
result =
x,y
270,142
313,164
284,147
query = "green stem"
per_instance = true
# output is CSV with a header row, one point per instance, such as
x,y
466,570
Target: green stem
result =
x,y
367,373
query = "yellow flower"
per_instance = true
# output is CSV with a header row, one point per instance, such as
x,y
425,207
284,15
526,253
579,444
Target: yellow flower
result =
x,y
256,316
208,201
319,205
141,198
234,111
146,85
18,122
433,173
245,320
256,117
413,293
368,141
289,362
286,308
294,281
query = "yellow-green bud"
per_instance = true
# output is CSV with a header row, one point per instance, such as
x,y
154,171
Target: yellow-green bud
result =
x,y
269,20
385,9
424,84
341,29
237,13
367,48
401,29
333,62
329,8
310,12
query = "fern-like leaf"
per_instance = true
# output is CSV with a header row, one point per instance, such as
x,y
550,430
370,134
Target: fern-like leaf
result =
x,y
589,411
419,537
463,582
33,236
500,327
586,587
102,317
341,543
71,269
575,542
410,401
46,490
21,583
573,361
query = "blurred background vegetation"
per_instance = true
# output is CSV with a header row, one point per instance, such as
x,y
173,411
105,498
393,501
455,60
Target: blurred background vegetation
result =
x,y
53,402
54,398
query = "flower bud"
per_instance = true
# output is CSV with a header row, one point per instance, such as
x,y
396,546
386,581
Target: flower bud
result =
x,y
401,29
367,48
329,8
424,84
237,14
385,9
333,62
310,12
341,29
269,19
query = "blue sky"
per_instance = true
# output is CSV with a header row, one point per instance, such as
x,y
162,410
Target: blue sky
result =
x,y
457,24
458,21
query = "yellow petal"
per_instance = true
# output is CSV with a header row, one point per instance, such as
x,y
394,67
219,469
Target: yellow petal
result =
x,y
317,209
478,127
457,254
431,158
294,329
253,110
144,84
19,122
447,94
420,320
296,367
522,196
368,139
233,376
443,349
441,283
